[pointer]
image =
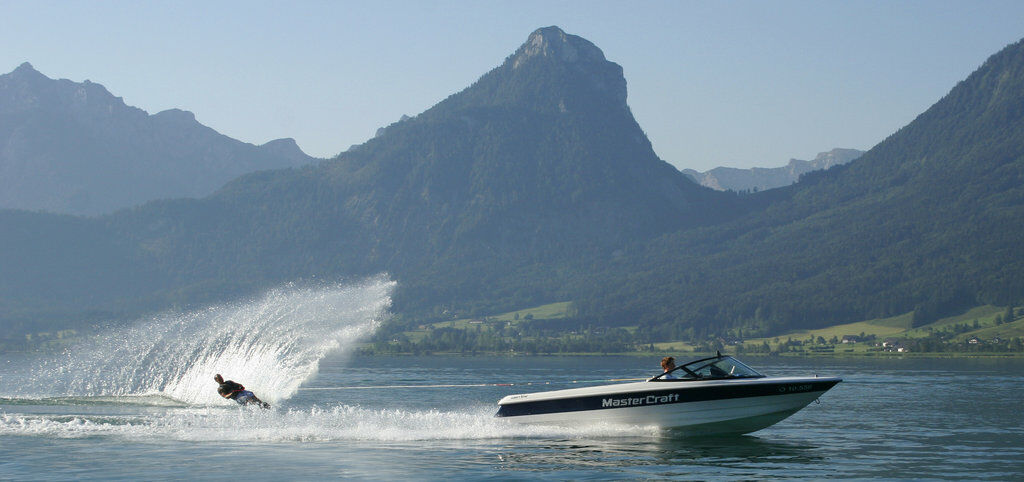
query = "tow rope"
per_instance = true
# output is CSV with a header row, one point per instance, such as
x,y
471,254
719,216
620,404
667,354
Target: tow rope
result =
x,y
368,387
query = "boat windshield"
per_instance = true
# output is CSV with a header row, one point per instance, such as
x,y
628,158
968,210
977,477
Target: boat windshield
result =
x,y
713,368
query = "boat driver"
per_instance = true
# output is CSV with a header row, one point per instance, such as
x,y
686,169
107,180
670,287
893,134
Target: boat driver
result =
x,y
668,364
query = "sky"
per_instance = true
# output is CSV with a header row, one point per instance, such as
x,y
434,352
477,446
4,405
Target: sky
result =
x,y
730,83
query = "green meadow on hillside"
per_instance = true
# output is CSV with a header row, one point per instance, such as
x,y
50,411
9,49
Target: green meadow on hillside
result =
x,y
551,329
986,325
552,311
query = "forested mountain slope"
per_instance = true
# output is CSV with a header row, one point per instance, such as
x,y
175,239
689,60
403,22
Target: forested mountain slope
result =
x,y
931,219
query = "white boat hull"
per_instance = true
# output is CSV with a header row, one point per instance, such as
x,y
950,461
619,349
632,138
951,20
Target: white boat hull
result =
x,y
714,407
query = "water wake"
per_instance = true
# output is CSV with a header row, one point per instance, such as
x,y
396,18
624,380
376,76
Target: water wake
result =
x,y
271,344
338,423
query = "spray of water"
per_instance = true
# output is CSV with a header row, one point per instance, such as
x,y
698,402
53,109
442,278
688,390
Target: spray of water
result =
x,y
164,367
315,424
271,344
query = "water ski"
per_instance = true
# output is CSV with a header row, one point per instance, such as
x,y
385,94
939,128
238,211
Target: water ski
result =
x,y
257,402
246,397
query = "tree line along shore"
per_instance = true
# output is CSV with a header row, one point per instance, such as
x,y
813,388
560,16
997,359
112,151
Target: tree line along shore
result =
x,y
552,330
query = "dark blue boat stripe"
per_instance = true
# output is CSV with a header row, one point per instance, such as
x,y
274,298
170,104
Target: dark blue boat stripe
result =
x,y
662,397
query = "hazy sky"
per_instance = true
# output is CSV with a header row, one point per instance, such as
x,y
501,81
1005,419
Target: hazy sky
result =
x,y
739,83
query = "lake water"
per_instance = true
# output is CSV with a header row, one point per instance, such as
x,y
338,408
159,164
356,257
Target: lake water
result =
x,y
140,403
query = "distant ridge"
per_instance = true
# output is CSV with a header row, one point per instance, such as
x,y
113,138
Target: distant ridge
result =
x,y
761,178
69,147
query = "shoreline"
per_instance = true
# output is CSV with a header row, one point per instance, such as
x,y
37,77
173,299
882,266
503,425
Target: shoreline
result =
x,y
872,355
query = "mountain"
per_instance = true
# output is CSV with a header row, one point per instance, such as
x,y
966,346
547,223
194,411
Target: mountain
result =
x,y
761,178
930,220
545,143
535,185
70,147
501,195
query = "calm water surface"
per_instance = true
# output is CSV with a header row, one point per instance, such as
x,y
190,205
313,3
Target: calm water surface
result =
x,y
889,418
139,403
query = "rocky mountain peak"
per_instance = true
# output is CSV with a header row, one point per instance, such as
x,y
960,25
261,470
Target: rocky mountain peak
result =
x,y
27,72
553,43
761,178
552,72
835,157
23,80
176,116
27,90
286,148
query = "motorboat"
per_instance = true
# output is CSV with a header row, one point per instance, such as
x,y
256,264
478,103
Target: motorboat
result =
x,y
714,395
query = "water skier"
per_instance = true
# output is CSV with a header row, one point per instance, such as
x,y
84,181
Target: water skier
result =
x,y
235,391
